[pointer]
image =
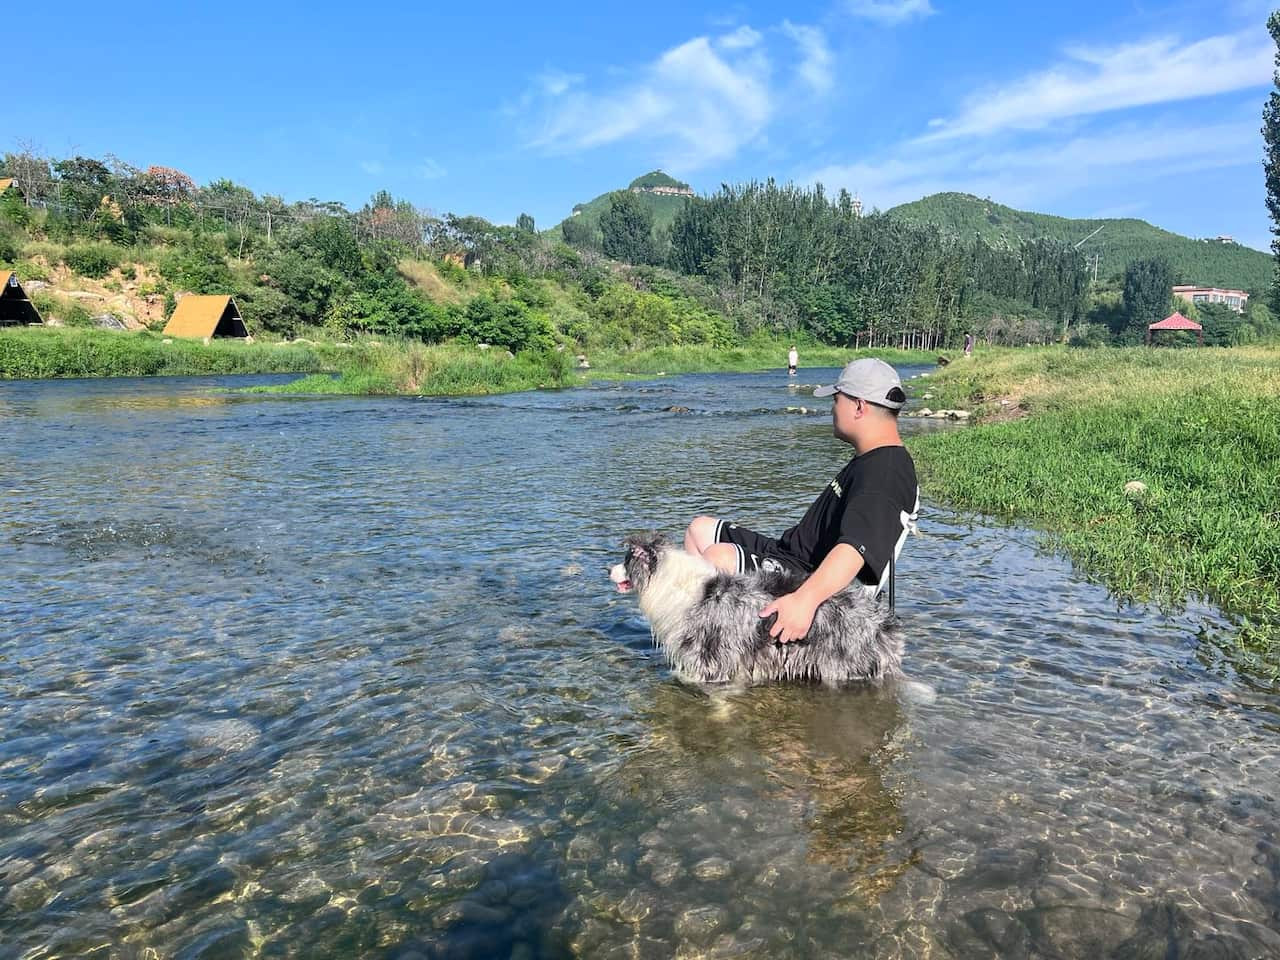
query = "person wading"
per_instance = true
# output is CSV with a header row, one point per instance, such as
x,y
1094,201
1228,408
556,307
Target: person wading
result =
x,y
857,524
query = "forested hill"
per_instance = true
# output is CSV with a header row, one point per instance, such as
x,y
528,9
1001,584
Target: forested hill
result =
x,y
1120,241
662,205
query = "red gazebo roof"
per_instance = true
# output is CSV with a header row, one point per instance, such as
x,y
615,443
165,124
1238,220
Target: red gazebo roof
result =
x,y
1175,322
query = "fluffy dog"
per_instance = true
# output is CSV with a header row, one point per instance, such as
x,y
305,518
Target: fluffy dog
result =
x,y
708,623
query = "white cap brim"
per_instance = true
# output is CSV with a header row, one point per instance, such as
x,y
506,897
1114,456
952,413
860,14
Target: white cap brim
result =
x,y
823,391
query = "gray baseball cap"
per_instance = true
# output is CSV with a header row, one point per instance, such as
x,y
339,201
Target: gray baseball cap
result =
x,y
868,379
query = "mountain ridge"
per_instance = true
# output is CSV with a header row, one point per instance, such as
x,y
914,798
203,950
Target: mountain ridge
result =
x,y
1117,241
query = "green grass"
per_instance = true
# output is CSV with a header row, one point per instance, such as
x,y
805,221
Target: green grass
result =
x,y
1200,428
751,356
377,367
439,370
35,353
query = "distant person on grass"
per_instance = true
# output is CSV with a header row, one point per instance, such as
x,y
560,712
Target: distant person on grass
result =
x,y
793,360
859,521
968,344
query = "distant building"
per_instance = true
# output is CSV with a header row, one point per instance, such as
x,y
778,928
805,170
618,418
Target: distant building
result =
x,y
665,191
1224,238
1237,300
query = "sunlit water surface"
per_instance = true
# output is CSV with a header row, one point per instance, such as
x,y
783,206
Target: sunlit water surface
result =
x,y
345,677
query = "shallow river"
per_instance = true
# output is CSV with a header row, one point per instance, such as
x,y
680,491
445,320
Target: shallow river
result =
x,y
346,677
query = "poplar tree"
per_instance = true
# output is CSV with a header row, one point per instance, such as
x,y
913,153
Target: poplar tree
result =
x,y
1271,161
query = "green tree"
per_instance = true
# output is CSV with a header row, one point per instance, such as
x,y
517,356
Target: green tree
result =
x,y
1148,293
84,183
1271,160
1223,327
578,233
524,223
627,229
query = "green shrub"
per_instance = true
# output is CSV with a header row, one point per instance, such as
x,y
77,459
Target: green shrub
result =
x,y
200,267
13,210
30,270
10,244
128,272
69,312
507,324
91,259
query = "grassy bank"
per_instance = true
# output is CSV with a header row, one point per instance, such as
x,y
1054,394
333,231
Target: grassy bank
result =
x,y
1199,428
750,356
374,366
448,369
36,353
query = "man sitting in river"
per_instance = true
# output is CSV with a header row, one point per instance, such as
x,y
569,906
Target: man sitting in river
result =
x,y
856,525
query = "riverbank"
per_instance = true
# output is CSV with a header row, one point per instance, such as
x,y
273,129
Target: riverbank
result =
x,y
465,370
1061,433
36,353
373,366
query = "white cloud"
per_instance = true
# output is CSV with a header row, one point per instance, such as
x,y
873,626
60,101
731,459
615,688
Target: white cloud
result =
x,y
1095,81
698,103
816,65
371,167
430,170
742,38
555,82
1031,174
890,12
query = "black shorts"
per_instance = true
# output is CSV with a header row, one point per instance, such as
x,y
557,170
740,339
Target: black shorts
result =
x,y
755,550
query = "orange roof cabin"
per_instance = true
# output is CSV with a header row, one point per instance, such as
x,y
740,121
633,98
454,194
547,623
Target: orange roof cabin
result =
x,y
1176,321
15,306
206,316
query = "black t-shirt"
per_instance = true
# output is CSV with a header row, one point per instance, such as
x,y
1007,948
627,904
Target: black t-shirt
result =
x,y
862,507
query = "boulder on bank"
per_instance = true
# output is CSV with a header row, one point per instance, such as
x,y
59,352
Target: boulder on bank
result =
x,y
928,414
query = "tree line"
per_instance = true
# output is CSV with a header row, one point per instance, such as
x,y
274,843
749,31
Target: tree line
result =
x,y
802,260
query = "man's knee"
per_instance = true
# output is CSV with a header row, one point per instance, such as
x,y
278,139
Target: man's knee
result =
x,y
700,534
723,556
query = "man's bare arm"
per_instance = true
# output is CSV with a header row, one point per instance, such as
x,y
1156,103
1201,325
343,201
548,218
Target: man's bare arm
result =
x,y
795,611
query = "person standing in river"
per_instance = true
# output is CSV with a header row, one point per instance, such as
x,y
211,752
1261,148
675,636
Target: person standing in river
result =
x,y
793,361
858,523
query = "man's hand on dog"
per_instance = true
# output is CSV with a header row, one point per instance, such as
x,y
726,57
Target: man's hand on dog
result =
x,y
795,616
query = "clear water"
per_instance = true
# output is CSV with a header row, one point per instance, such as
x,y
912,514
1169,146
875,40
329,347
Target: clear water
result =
x,y
346,677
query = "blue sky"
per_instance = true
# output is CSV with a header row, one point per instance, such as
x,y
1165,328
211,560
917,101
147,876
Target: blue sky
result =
x,y
1149,110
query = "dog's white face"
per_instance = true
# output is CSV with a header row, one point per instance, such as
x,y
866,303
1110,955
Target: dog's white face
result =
x,y
618,574
639,562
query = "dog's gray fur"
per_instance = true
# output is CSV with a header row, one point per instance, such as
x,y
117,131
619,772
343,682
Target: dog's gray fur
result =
x,y
708,623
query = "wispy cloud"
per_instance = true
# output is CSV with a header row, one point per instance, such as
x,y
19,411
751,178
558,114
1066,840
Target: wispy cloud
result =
x,y
700,101
740,39
816,63
1035,173
372,167
890,12
555,82
430,170
1093,81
